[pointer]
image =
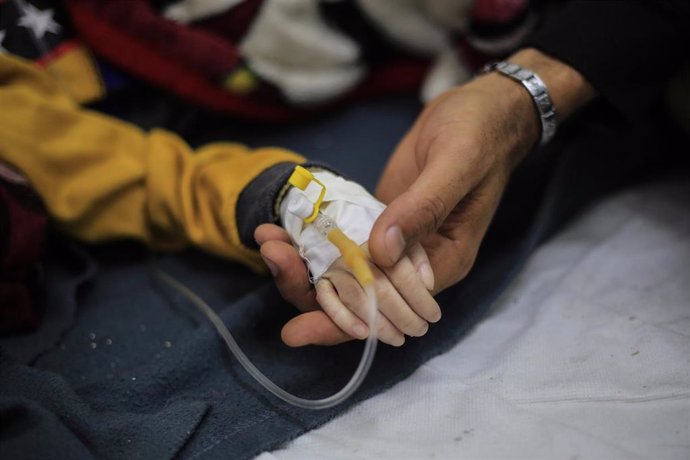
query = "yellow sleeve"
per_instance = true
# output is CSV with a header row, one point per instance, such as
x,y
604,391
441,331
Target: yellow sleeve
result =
x,y
104,179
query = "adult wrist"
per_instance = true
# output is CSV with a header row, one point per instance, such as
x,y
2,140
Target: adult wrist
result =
x,y
537,90
568,89
513,115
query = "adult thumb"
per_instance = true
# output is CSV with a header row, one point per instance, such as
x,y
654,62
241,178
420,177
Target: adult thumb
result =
x,y
416,213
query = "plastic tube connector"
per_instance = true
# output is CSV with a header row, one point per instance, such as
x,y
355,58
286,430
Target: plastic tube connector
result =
x,y
301,207
353,256
301,178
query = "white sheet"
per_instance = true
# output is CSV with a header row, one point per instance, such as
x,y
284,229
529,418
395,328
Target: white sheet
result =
x,y
587,355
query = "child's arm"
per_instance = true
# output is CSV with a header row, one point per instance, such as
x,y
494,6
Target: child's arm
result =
x,y
103,179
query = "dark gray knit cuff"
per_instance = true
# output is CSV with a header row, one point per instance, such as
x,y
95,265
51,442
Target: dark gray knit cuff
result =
x,y
257,202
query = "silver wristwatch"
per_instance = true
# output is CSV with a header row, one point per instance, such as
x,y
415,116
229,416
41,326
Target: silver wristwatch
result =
x,y
537,89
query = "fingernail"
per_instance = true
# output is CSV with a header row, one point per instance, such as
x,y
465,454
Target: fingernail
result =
x,y
360,331
271,266
395,243
426,274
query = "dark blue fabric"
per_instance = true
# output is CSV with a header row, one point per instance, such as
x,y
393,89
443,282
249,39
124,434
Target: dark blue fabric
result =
x,y
127,368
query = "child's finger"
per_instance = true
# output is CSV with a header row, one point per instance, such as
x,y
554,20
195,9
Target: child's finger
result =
x,y
391,305
330,302
351,295
396,309
410,287
420,261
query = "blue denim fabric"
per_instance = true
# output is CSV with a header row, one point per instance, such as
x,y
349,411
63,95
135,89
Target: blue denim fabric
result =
x,y
127,368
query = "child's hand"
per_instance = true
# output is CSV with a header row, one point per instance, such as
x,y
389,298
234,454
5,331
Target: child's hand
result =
x,y
405,305
401,294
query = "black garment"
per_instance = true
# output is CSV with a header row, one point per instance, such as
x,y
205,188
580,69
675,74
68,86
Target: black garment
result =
x,y
628,50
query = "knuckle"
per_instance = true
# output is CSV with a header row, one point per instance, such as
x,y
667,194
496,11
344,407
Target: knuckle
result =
x,y
380,278
468,146
381,287
320,294
352,296
464,264
432,211
403,275
341,318
323,290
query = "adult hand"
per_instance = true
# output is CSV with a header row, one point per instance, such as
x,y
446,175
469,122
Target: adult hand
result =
x,y
443,183
445,179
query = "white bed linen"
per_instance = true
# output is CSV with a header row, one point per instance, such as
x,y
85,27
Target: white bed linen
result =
x,y
587,355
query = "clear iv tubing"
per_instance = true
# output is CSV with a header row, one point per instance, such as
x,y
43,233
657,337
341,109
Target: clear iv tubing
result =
x,y
325,226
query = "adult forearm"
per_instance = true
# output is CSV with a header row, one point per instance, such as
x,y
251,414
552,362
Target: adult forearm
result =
x,y
515,117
